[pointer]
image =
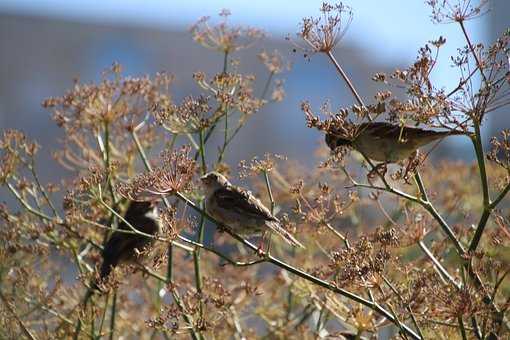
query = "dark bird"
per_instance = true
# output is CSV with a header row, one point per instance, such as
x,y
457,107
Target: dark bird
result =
x,y
385,142
125,247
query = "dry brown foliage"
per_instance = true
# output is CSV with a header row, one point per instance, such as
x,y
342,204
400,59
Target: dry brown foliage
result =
x,y
418,250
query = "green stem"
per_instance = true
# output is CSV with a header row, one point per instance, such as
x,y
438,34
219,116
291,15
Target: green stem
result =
x,y
425,203
196,253
225,62
219,254
269,191
25,205
461,327
413,318
202,152
243,121
169,265
438,265
103,316
501,195
267,85
42,190
196,261
113,315
477,143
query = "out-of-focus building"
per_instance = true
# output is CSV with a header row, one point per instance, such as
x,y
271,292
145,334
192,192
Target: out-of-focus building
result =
x,y
40,57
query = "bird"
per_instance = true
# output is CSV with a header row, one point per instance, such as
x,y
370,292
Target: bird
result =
x,y
239,209
386,142
124,247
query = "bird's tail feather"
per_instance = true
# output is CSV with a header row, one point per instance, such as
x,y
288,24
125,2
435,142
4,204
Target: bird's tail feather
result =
x,y
276,227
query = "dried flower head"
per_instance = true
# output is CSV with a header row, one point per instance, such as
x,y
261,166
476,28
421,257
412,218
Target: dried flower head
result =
x,y
174,174
500,153
188,117
360,264
321,206
273,61
258,166
15,150
223,37
116,99
322,34
172,225
278,93
444,11
231,91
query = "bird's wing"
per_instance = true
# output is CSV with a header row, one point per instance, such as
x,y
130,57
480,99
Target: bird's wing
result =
x,y
380,130
383,130
242,202
120,248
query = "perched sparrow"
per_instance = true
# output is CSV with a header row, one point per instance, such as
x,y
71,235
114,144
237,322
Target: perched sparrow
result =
x,y
240,209
385,142
124,247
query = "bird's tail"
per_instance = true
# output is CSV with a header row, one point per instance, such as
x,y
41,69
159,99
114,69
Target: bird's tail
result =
x,y
432,135
275,226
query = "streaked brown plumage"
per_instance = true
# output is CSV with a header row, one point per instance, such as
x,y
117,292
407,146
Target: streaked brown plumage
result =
x,y
385,142
239,209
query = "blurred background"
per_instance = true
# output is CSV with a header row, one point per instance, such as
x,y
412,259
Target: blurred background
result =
x,y
45,44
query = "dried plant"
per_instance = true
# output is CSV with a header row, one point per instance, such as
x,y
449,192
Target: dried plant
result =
x,y
416,249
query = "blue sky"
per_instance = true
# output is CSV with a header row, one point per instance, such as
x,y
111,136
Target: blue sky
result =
x,y
388,26
390,30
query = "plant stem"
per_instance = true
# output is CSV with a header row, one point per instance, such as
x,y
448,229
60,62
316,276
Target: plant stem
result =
x,y
430,208
196,253
438,265
225,62
413,318
478,62
22,325
477,143
269,191
41,189
243,121
423,202
461,327
113,315
346,79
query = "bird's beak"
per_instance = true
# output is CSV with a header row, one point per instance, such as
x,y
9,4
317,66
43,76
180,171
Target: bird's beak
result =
x,y
154,203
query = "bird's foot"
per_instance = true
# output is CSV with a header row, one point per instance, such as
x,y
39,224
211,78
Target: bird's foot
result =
x,y
413,162
378,171
260,252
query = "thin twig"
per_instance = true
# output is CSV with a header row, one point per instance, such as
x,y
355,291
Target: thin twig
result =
x,y
438,265
22,325
346,79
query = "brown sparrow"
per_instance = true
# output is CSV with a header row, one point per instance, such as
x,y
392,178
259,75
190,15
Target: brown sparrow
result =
x,y
239,209
385,142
